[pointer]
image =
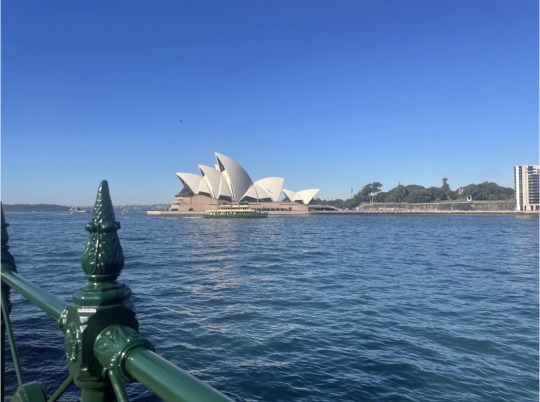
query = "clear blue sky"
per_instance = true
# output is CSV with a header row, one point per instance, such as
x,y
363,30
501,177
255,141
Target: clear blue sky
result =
x,y
326,94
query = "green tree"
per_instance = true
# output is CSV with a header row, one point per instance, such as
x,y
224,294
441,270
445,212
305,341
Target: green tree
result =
x,y
399,193
435,193
445,187
375,189
487,191
364,195
415,193
380,197
419,196
413,187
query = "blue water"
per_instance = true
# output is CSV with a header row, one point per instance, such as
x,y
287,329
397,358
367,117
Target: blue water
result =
x,y
308,308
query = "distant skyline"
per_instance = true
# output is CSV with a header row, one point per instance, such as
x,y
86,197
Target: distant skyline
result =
x,y
328,96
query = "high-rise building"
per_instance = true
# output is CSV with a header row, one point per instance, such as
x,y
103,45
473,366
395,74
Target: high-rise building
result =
x,y
527,185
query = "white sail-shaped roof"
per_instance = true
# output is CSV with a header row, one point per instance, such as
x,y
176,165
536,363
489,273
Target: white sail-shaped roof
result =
x,y
304,196
212,177
261,194
272,186
237,178
203,188
291,195
252,193
230,181
307,195
226,184
257,193
224,187
191,181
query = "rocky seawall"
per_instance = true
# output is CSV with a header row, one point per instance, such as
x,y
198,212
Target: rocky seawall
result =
x,y
509,206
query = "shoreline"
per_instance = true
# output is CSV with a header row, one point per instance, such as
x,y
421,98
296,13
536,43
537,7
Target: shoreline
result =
x,y
279,213
533,213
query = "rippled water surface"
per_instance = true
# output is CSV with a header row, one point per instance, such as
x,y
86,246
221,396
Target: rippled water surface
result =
x,y
308,308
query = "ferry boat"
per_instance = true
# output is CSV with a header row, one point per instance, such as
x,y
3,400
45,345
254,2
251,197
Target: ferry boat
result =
x,y
77,210
240,210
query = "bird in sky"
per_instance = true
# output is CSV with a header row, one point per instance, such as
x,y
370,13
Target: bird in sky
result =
x,y
180,120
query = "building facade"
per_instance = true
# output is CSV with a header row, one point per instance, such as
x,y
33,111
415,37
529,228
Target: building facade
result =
x,y
527,186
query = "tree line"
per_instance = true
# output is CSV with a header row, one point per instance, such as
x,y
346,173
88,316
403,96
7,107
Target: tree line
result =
x,y
414,193
35,208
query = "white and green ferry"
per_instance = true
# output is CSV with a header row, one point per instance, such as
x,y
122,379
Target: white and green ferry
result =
x,y
239,210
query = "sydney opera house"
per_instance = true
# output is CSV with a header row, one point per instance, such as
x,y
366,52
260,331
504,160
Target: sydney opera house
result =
x,y
227,182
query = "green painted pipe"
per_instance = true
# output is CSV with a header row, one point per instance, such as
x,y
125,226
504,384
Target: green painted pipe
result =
x,y
12,345
3,359
118,388
60,391
168,381
52,305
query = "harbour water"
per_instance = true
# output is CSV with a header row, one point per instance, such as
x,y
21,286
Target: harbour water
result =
x,y
307,308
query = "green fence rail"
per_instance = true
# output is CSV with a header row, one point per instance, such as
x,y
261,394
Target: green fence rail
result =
x,y
103,348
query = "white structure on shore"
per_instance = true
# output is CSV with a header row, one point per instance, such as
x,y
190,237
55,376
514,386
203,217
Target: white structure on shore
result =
x,y
526,183
304,196
230,182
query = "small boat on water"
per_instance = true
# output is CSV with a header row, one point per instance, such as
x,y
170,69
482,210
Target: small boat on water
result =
x,y
77,210
240,210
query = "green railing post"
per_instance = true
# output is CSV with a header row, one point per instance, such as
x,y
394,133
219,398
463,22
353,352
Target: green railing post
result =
x,y
101,303
30,391
3,360
8,263
100,328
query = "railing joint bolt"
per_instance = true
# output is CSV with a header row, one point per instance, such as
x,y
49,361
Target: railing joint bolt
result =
x,y
113,346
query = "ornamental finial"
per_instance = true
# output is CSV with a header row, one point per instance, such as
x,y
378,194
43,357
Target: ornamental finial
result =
x,y
103,258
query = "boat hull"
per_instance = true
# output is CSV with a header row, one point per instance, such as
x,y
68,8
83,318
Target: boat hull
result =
x,y
235,216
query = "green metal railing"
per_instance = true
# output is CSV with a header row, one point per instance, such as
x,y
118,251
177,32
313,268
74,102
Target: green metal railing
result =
x,y
103,349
